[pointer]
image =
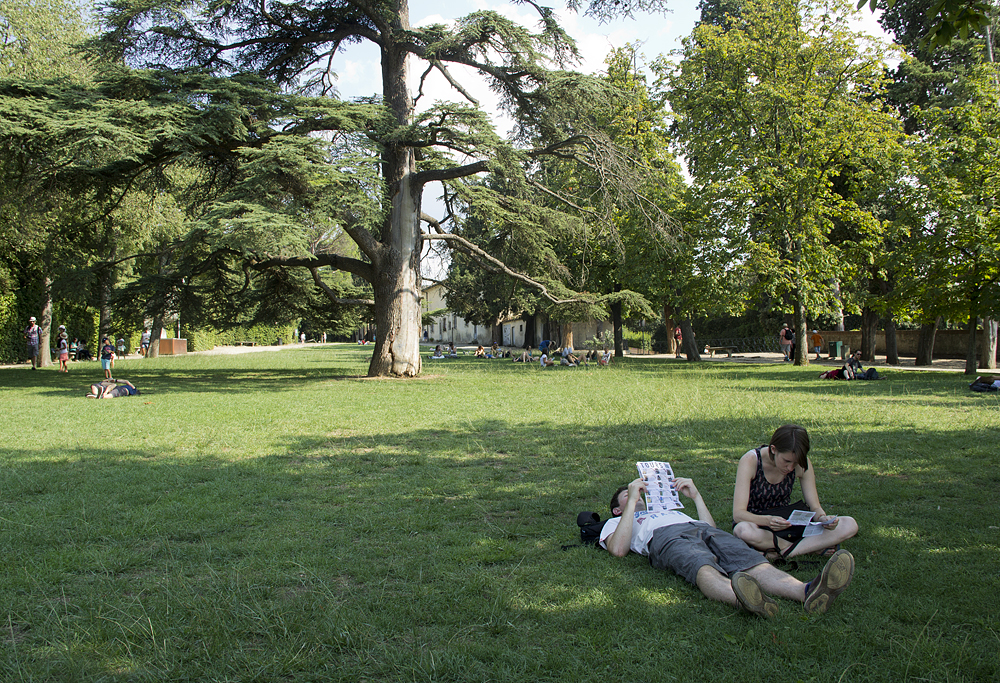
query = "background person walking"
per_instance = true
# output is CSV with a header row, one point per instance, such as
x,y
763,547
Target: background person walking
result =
x,y
32,334
62,348
785,338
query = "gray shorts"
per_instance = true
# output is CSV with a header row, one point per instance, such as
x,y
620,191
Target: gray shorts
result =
x,y
686,548
32,350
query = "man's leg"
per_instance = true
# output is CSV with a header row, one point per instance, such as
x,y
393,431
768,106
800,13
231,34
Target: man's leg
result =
x,y
818,594
742,591
777,582
715,585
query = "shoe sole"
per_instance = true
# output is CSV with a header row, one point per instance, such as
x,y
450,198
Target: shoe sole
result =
x,y
751,597
836,576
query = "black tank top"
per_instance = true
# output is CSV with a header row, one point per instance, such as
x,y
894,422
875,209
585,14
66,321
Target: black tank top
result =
x,y
764,495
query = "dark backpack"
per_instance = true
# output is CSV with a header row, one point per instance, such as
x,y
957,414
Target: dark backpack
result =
x,y
590,528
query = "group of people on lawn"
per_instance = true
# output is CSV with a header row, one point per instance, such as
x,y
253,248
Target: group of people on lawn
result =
x,y
566,356
736,568
109,388
549,357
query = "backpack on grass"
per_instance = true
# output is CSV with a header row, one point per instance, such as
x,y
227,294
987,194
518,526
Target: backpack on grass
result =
x,y
590,528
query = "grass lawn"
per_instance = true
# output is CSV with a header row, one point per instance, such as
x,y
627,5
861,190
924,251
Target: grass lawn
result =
x,y
278,517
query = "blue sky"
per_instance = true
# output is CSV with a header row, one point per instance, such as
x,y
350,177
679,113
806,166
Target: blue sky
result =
x,y
359,73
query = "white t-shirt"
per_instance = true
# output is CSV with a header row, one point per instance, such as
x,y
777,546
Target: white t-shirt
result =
x,y
643,527
541,361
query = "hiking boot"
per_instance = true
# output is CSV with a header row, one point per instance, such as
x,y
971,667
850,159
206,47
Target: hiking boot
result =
x,y
835,577
752,597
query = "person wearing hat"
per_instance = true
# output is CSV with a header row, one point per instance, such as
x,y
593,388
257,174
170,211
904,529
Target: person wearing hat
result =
x,y
62,348
786,337
32,333
816,342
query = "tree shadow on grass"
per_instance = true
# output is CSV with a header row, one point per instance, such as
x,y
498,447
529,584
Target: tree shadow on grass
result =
x,y
373,551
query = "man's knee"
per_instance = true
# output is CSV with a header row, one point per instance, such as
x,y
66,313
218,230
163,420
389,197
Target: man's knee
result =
x,y
708,575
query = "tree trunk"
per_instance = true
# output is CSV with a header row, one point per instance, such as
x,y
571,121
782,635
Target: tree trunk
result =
x,y
529,330
397,263
670,323
988,355
970,348
45,333
688,342
869,330
891,348
154,336
103,305
397,314
835,286
925,343
616,322
801,334
567,334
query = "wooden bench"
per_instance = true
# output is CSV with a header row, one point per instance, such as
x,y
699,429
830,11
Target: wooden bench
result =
x,y
728,349
246,343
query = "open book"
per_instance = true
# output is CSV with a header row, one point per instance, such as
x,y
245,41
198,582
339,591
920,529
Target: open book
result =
x,y
658,478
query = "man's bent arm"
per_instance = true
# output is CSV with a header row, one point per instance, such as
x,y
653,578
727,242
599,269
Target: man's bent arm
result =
x,y
687,487
620,542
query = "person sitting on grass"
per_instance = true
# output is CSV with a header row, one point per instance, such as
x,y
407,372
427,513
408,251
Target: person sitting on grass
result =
x,y
83,353
723,567
568,357
525,356
438,352
113,389
480,352
605,358
545,361
764,480
854,370
452,351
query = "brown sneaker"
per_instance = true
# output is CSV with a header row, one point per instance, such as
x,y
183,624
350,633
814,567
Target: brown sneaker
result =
x,y
836,576
751,596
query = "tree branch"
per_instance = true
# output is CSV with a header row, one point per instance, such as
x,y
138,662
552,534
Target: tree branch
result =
x,y
495,265
332,296
335,261
430,176
455,84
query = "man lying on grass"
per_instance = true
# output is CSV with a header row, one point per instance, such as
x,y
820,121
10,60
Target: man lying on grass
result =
x,y
723,567
112,389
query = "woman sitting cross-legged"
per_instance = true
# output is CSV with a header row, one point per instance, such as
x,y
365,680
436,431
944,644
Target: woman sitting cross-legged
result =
x,y
764,481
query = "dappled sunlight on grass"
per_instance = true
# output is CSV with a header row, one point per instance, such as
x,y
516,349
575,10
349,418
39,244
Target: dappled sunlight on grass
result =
x,y
275,515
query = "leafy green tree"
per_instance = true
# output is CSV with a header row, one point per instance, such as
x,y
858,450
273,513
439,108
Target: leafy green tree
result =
x,y
38,40
209,70
770,110
959,256
946,20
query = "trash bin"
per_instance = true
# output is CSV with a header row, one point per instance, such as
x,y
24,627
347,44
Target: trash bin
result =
x,y
835,348
845,351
